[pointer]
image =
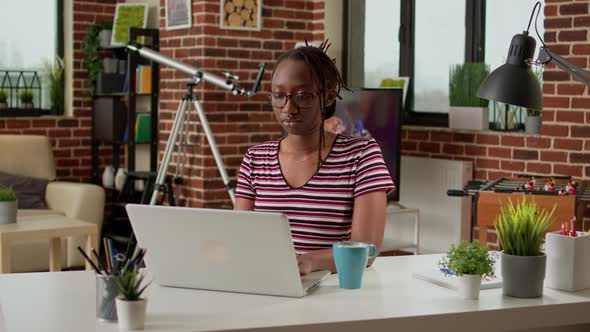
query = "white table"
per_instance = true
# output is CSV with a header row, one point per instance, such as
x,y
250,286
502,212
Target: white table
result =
x,y
390,300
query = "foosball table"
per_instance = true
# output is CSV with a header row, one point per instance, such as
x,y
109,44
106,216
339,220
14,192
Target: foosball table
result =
x,y
568,196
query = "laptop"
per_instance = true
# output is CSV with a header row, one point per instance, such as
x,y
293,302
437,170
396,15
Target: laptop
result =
x,y
220,250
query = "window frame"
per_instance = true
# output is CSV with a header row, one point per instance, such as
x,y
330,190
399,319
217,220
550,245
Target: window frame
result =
x,y
59,51
474,52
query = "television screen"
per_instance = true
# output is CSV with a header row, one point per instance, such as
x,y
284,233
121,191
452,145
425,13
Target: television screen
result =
x,y
373,113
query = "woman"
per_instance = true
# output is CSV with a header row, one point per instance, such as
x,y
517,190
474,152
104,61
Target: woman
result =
x,y
332,187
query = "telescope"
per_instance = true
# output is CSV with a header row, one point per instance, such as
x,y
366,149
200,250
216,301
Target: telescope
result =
x,y
226,82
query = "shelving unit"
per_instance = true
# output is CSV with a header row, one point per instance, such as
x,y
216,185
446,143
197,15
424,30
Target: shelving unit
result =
x,y
117,139
114,121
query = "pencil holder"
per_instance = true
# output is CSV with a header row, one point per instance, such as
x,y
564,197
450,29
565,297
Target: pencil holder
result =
x,y
568,261
106,293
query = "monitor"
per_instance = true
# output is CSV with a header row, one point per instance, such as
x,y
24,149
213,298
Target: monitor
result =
x,y
373,113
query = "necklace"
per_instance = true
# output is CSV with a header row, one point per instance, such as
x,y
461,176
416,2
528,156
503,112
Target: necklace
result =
x,y
307,156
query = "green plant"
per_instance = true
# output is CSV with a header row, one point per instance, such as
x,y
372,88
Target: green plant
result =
x,y
464,81
128,282
3,96
55,75
469,258
7,194
26,96
521,228
90,48
538,71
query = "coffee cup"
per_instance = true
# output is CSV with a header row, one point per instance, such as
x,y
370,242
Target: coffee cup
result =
x,y
351,259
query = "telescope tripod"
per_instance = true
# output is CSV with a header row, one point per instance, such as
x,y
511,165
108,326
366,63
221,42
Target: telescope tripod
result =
x,y
177,137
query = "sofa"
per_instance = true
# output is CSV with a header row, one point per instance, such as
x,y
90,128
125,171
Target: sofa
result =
x,y
32,156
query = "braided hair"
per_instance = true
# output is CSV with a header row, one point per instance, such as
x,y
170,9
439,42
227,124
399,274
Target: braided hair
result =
x,y
325,73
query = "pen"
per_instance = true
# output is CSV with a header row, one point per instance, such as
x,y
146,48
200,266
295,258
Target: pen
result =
x,y
107,253
98,260
89,260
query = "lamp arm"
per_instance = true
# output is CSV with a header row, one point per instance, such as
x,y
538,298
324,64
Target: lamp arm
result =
x,y
547,56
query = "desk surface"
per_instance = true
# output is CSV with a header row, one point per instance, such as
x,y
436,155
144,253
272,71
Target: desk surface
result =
x,y
391,299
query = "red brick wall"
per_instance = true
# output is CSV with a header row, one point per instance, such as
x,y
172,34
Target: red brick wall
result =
x,y
70,136
563,147
237,122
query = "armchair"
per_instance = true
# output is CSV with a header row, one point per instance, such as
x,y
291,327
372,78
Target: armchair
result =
x,y
31,155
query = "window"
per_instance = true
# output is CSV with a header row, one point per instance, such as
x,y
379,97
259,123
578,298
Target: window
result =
x,y
31,34
422,39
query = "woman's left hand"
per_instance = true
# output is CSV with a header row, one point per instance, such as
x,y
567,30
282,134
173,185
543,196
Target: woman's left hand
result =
x,y
305,262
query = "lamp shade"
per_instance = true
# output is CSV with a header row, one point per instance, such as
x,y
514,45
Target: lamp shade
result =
x,y
514,82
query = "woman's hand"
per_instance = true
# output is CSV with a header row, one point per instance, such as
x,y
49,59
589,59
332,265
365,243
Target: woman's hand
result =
x,y
305,262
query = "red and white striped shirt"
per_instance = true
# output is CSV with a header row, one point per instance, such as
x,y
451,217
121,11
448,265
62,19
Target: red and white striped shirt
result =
x,y
320,211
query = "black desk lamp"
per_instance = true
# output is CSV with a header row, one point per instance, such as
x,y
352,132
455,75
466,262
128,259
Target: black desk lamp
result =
x,y
514,82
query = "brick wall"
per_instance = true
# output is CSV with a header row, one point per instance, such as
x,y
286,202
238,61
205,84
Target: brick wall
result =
x,y
70,136
237,122
562,148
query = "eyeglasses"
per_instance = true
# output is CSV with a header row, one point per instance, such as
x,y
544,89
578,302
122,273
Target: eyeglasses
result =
x,y
301,99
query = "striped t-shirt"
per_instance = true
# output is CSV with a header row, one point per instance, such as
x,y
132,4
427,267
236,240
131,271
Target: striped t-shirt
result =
x,y
320,211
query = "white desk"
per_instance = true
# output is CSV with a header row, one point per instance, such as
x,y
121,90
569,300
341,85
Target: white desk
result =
x,y
390,300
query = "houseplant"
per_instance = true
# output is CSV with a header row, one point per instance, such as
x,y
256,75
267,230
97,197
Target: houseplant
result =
x,y
533,117
3,99
467,110
90,48
55,76
8,205
130,305
470,262
26,98
521,232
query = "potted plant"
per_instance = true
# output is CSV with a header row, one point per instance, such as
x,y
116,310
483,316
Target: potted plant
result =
x,y
26,98
130,305
467,110
91,59
532,123
8,205
521,232
469,262
3,99
55,76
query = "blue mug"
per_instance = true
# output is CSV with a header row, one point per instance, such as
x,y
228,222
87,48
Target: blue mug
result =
x,y
351,259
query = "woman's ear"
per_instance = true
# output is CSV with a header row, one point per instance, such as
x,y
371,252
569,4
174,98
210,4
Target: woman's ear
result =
x,y
330,97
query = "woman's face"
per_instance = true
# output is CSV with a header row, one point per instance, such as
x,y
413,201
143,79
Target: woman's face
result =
x,y
293,79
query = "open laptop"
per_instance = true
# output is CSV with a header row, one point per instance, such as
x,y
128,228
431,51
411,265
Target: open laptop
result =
x,y
222,250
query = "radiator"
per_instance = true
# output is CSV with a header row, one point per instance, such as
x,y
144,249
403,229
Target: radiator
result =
x,y
423,184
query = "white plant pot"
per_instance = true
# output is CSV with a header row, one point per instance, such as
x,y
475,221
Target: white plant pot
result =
x,y
473,118
105,37
131,314
8,212
568,261
469,286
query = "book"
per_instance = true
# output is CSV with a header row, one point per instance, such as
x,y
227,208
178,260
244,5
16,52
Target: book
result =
x,y
440,278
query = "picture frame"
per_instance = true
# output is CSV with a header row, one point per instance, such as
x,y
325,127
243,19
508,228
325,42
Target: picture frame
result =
x,y
178,14
240,15
128,15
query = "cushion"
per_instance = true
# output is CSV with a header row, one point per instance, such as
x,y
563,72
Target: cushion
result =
x,y
30,191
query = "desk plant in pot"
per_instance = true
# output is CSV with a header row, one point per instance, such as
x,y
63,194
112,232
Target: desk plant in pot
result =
x,y
131,306
8,205
470,262
521,232
467,110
